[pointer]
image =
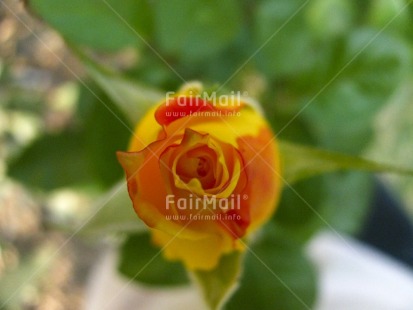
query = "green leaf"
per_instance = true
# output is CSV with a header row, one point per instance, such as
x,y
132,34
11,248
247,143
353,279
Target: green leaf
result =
x,y
219,284
196,29
105,132
384,12
132,98
276,276
346,200
347,109
336,201
81,155
113,212
330,18
295,213
141,261
300,162
283,38
53,161
378,62
364,70
108,25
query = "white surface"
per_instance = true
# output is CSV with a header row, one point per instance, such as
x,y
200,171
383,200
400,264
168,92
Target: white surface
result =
x,y
355,277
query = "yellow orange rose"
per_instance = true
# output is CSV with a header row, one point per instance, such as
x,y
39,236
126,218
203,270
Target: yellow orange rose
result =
x,y
202,175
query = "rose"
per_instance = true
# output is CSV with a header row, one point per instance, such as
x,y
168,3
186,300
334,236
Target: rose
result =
x,y
202,175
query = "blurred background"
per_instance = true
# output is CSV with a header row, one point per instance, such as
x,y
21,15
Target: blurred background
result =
x,y
31,81
335,74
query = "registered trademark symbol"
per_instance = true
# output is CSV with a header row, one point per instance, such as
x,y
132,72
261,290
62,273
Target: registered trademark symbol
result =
x,y
245,197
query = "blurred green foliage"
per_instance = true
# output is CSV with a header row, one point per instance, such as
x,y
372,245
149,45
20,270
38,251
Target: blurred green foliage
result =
x,y
138,252
276,273
98,24
82,154
322,69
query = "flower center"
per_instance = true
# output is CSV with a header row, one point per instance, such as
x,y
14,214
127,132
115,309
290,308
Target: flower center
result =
x,y
198,163
203,167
